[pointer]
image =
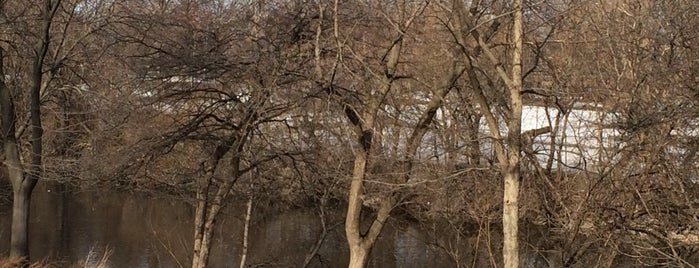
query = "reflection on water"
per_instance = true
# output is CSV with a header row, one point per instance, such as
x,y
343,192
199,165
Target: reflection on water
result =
x,y
156,232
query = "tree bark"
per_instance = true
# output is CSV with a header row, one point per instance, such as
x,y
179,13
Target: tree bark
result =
x,y
246,232
204,216
358,257
510,217
199,257
19,245
507,150
208,207
205,227
357,245
21,188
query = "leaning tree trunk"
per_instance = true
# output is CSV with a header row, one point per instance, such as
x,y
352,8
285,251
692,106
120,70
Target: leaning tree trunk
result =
x,y
207,208
200,252
206,215
209,205
204,225
359,245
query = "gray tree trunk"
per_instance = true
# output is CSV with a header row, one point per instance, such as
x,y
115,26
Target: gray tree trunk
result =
x,y
19,245
23,182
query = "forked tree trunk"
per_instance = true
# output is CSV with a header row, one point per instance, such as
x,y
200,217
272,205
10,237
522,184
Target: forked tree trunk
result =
x,y
203,242
205,227
360,244
208,206
200,252
21,189
205,215
357,246
23,182
202,226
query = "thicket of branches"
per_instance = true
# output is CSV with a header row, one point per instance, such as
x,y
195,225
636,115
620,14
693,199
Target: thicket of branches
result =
x,y
224,101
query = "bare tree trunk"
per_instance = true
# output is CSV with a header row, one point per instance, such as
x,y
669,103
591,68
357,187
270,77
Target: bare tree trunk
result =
x,y
205,227
209,204
21,188
201,257
23,182
199,218
507,152
246,232
510,214
207,209
358,257
19,245
358,248
201,254
360,245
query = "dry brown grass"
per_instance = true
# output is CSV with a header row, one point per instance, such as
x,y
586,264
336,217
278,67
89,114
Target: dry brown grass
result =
x,y
95,260
92,260
17,262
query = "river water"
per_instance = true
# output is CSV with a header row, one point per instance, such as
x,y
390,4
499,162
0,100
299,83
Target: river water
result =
x,y
145,231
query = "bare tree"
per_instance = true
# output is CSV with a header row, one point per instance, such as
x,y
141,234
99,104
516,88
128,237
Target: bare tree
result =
x,y
399,107
25,178
615,71
474,38
369,105
220,87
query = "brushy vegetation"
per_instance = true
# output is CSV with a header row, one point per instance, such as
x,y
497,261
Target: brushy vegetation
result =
x,y
93,259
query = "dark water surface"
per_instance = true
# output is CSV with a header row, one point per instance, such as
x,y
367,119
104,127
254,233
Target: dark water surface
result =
x,y
157,232
144,231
